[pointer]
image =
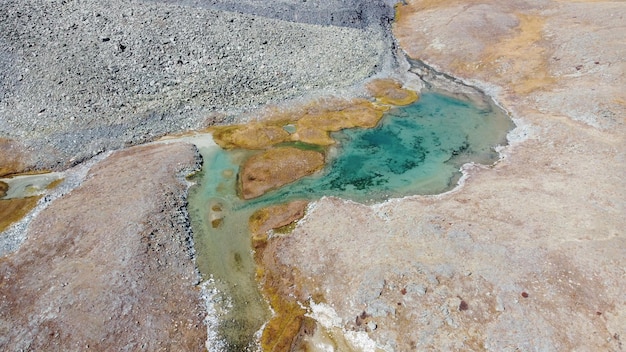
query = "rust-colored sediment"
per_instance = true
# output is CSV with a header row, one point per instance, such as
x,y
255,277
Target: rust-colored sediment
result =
x,y
254,135
275,217
520,58
278,282
389,91
55,183
4,187
275,168
280,332
313,123
12,210
515,55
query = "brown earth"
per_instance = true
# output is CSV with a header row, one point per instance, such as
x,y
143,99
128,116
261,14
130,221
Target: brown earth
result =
x,y
275,168
4,187
108,266
12,210
275,217
528,254
11,155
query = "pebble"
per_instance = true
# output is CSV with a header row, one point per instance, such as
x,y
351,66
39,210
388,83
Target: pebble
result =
x,y
499,304
371,325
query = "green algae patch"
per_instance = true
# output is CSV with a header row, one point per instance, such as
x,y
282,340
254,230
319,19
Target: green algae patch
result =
x,y
303,146
390,92
275,168
12,210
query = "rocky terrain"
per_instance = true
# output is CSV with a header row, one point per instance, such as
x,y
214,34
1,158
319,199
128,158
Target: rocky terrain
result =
x,y
526,254
105,260
78,78
110,265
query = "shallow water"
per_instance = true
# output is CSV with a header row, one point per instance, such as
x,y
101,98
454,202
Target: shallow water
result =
x,y
23,186
223,248
416,149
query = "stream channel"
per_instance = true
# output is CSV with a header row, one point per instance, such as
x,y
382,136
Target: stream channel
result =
x,y
415,149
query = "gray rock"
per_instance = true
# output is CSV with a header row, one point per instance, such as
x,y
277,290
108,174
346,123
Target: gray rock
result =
x,y
380,308
371,325
418,289
78,77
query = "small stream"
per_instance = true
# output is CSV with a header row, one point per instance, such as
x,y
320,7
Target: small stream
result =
x,y
416,149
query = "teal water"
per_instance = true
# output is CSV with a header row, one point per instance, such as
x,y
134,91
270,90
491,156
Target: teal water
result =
x,y
416,149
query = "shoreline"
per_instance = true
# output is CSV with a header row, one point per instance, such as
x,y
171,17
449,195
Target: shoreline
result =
x,y
526,252
196,67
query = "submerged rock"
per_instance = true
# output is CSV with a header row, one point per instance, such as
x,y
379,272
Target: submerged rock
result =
x,y
12,210
275,168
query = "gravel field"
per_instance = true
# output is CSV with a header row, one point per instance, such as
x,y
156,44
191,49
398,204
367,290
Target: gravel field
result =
x,y
78,78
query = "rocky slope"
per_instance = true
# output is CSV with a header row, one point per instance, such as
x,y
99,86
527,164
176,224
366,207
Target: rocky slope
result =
x,y
78,78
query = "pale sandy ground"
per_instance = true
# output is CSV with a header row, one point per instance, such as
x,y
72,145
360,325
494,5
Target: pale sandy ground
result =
x,y
527,255
109,266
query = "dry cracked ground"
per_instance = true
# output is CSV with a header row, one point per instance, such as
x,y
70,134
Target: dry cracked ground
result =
x,y
527,254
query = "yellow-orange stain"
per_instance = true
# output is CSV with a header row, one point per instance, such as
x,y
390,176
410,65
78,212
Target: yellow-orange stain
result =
x,y
521,59
4,187
12,210
389,91
312,123
276,280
